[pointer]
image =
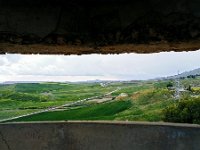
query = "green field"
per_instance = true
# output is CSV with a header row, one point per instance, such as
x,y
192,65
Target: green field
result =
x,y
143,100
19,99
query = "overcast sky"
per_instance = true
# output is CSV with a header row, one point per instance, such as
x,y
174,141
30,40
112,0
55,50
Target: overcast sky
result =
x,y
91,67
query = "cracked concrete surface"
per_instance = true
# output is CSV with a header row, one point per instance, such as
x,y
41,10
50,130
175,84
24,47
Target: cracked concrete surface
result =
x,y
4,141
99,135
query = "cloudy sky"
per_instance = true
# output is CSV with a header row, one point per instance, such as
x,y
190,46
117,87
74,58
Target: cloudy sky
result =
x,y
91,67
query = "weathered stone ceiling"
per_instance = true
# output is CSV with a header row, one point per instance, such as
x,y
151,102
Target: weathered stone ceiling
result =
x,y
98,26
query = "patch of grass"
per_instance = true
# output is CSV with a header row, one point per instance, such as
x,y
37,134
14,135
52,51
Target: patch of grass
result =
x,y
106,111
130,89
14,113
147,105
36,96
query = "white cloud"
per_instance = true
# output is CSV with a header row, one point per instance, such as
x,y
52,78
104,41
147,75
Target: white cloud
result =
x,y
123,66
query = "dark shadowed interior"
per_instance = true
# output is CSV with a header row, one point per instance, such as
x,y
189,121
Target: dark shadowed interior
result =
x,y
98,26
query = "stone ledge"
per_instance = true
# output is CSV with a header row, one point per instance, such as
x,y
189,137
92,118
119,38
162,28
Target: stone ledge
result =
x,y
110,122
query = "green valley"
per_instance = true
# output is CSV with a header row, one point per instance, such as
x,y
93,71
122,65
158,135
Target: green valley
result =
x,y
128,100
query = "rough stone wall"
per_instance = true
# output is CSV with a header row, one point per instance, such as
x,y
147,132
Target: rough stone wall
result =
x,y
99,136
99,22
103,22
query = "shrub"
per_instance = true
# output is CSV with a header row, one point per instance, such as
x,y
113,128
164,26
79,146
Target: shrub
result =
x,y
169,85
185,111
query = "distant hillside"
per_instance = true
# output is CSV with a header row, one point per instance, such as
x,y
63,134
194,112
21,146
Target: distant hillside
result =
x,y
187,73
15,82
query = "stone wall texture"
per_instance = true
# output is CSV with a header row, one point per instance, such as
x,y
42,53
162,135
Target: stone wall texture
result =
x,y
99,21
